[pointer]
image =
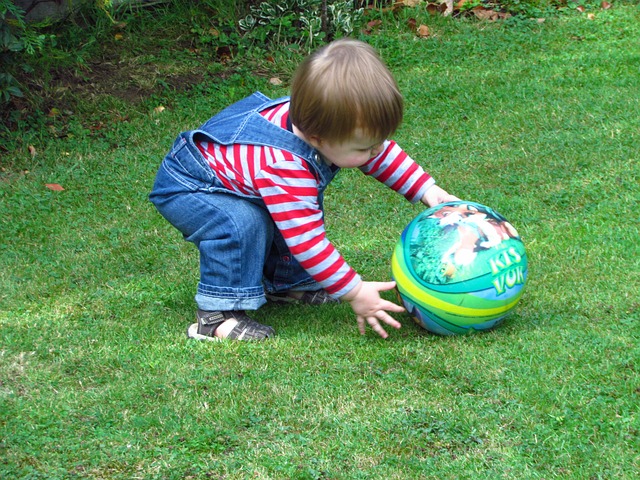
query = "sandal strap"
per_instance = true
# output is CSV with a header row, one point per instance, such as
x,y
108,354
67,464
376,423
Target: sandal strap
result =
x,y
248,329
208,322
319,297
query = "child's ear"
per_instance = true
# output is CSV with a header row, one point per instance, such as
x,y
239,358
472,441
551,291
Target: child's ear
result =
x,y
315,141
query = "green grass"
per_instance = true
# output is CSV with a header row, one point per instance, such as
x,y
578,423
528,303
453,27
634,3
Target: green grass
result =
x,y
539,121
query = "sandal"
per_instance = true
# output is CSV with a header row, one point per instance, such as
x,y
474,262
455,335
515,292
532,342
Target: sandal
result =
x,y
246,328
318,297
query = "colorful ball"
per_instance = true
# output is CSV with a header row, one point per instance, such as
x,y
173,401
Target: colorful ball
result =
x,y
459,267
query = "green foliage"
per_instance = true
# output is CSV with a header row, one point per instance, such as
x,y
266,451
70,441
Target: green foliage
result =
x,y
302,22
531,8
16,38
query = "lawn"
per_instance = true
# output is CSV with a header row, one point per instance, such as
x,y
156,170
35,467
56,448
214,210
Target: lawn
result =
x,y
538,120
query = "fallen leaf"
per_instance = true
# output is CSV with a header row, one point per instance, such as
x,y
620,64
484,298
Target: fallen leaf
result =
x,y
591,16
371,26
436,8
54,186
54,112
412,23
605,5
118,36
32,151
482,13
581,8
158,109
275,81
423,31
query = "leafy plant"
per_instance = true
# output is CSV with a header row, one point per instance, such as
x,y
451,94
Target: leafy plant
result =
x,y
16,38
302,22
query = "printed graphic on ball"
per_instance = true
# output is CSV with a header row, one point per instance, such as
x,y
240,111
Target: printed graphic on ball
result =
x,y
459,242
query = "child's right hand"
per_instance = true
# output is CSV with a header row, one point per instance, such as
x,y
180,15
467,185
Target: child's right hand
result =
x,y
370,308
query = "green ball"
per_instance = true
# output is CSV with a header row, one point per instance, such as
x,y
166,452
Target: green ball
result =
x,y
459,267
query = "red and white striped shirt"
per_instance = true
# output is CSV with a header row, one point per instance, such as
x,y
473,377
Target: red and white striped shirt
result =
x,y
290,191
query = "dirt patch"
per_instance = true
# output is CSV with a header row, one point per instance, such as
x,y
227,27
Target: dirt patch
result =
x,y
63,90
129,83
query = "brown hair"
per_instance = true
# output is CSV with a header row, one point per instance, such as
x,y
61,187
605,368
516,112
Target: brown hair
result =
x,y
344,86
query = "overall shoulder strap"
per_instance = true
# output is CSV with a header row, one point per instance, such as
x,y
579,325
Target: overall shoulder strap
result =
x,y
242,123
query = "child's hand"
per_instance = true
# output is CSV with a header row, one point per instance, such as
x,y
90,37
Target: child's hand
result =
x,y
370,308
436,195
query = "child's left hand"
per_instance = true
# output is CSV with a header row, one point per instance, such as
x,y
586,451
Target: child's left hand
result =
x,y
436,195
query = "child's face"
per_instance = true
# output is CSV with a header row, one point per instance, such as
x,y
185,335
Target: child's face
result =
x,y
351,153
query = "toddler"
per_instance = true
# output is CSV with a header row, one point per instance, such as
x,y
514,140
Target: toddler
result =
x,y
247,189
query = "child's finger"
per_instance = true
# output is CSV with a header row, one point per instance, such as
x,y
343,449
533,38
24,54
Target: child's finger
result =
x,y
391,307
389,320
384,286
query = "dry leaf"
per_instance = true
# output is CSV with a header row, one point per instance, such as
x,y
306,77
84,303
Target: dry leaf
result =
x,y
118,36
423,31
54,186
275,81
482,13
32,151
436,8
158,109
591,16
581,8
371,26
605,5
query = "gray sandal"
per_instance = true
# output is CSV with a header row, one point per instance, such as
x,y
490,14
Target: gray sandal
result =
x,y
246,328
318,297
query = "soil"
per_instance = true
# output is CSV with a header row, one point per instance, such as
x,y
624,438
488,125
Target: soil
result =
x,y
62,90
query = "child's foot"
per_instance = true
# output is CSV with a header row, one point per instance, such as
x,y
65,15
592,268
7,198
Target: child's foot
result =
x,y
319,297
234,325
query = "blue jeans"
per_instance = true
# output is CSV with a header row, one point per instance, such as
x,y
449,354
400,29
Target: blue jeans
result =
x,y
242,253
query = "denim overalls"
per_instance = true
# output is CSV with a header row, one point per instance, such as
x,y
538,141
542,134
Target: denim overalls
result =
x,y
242,253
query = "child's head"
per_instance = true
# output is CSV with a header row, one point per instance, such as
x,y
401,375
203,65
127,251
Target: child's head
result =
x,y
342,87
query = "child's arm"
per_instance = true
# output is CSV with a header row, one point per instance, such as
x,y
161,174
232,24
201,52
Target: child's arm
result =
x,y
370,308
398,171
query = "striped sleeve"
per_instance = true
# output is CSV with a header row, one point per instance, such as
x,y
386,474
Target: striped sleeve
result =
x,y
399,171
290,192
